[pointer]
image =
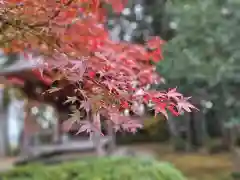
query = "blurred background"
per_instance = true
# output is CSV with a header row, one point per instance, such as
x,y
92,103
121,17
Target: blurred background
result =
x,y
201,58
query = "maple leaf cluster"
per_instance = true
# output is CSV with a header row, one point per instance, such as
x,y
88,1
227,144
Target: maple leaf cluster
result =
x,y
108,76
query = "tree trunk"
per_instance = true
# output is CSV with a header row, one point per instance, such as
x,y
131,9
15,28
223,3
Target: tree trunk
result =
x,y
236,160
3,126
57,129
96,139
3,134
112,134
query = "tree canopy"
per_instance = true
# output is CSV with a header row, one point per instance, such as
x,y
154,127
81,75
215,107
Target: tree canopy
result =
x,y
203,56
108,76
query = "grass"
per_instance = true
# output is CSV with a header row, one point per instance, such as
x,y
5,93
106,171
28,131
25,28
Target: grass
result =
x,y
195,166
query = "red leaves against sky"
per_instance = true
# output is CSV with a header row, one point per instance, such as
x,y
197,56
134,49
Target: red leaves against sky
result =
x,y
71,36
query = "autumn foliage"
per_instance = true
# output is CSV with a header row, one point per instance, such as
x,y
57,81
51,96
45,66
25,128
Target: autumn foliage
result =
x,y
108,76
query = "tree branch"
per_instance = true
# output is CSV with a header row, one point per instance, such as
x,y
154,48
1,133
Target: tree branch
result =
x,y
52,17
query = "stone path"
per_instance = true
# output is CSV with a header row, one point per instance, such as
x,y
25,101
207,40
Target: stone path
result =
x,y
6,163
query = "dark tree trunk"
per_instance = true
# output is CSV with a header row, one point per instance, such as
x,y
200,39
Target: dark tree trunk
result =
x,y
3,134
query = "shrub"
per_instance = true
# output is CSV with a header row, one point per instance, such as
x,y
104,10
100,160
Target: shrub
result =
x,y
236,175
155,129
97,169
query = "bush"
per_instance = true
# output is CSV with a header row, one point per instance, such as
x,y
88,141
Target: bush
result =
x,y
154,130
97,169
236,175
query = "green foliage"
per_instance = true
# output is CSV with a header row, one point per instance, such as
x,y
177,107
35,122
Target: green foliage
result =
x,y
98,169
155,130
156,126
236,175
203,57
206,41
6,98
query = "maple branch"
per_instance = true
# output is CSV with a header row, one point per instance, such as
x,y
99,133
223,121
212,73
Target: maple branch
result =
x,y
20,26
112,96
54,15
9,8
98,84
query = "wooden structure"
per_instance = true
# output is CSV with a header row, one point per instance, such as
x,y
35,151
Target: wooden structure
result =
x,y
34,85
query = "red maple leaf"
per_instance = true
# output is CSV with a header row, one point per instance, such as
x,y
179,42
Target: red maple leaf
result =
x,y
172,93
184,105
76,47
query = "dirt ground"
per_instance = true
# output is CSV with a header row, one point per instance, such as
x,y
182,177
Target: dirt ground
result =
x,y
195,166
